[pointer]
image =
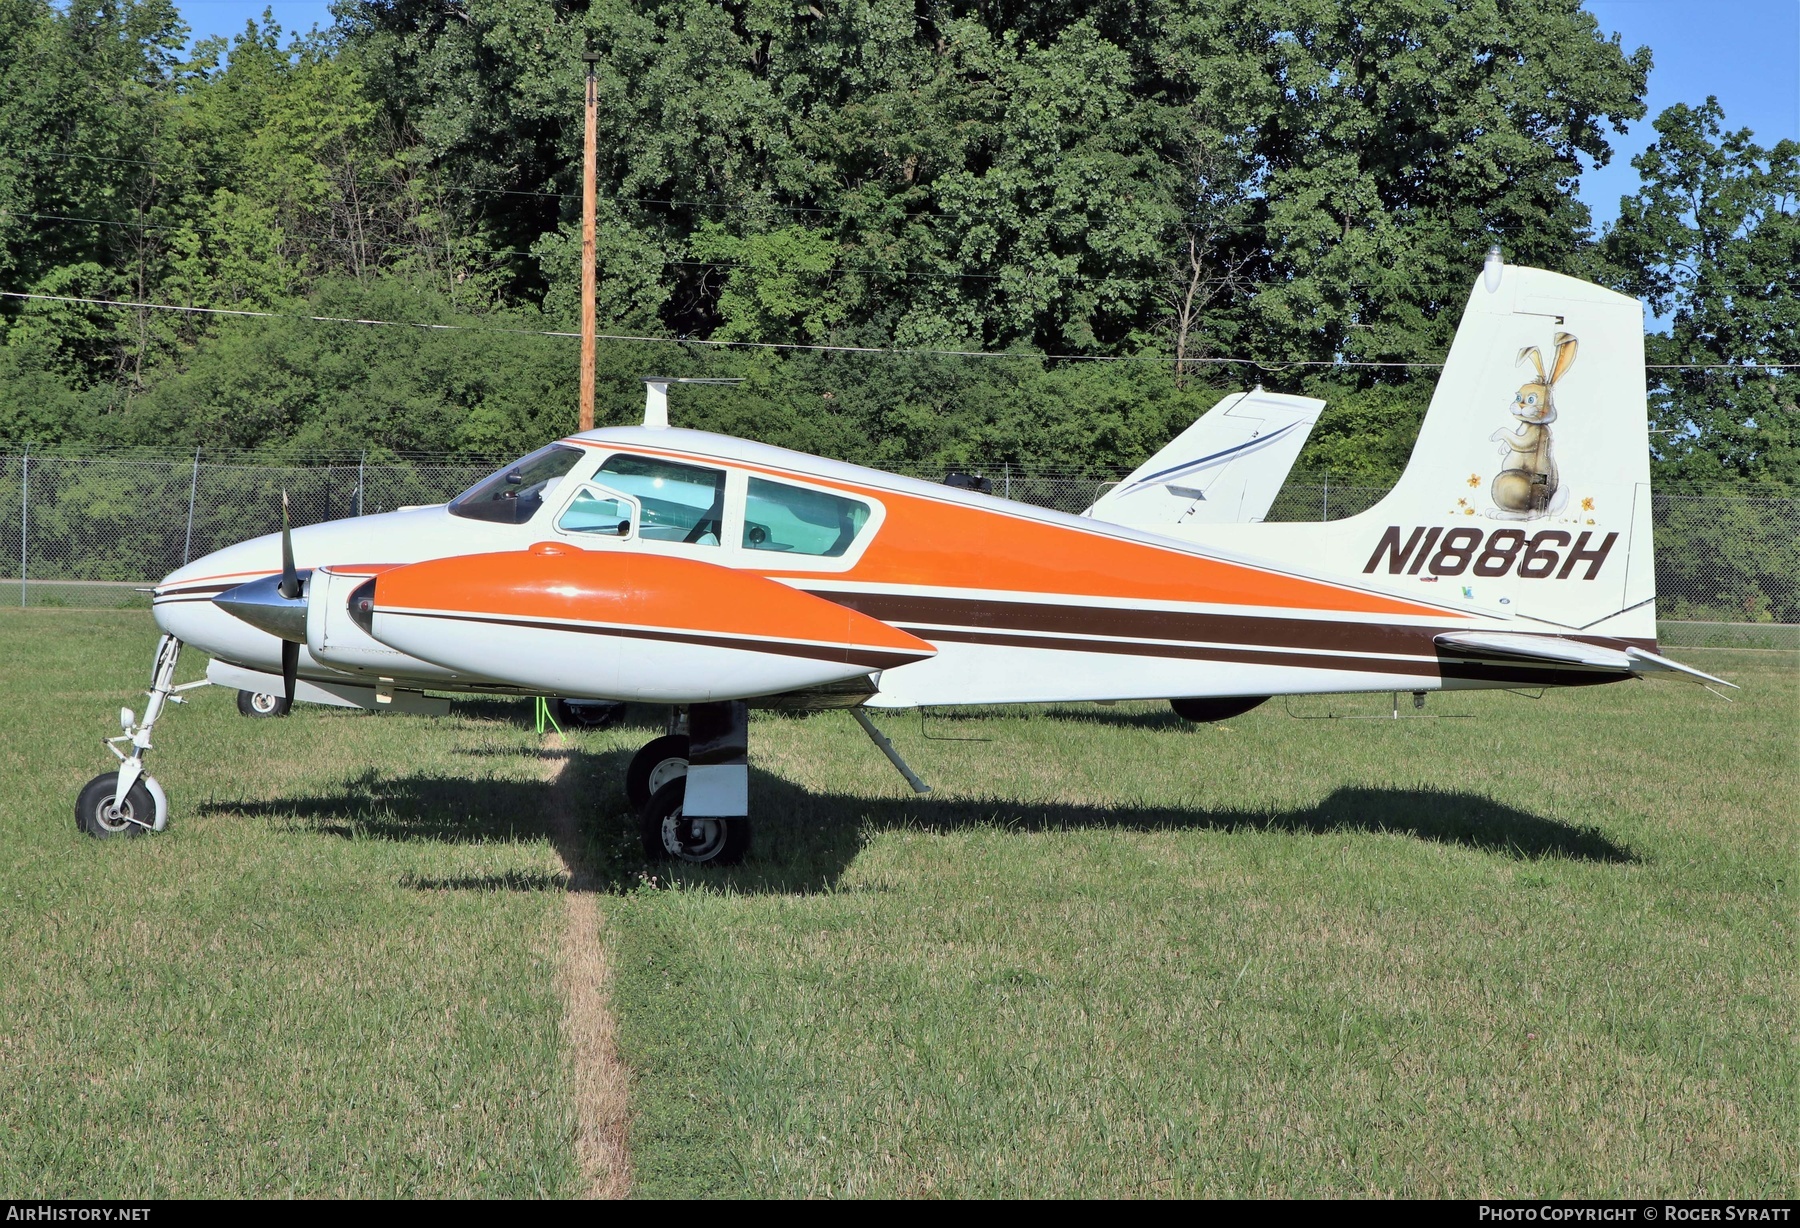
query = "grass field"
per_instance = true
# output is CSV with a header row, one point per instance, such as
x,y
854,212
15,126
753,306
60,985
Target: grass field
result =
x,y
1545,950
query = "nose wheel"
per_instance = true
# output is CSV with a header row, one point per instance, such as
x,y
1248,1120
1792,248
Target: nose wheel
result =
x,y
100,814
129,802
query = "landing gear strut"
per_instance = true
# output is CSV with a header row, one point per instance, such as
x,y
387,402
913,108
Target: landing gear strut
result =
x,y
696,788
128,802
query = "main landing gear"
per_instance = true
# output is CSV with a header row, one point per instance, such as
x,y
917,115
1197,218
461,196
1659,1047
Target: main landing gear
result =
x,y
261,704
692,790
128,802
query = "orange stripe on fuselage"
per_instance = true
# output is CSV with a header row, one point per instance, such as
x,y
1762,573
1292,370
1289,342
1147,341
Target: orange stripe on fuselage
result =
x,y
954,545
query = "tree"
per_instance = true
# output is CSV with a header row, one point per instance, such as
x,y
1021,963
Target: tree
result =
x,y
1153,180
1711,242
1211,262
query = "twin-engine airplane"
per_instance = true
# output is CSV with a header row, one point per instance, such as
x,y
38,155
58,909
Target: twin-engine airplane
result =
x,y
715,574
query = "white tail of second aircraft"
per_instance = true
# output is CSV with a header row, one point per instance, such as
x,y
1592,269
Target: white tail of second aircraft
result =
x,y
1224,469
1527,496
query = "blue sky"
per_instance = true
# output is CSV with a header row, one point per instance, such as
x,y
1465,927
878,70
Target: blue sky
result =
x,y
1747,52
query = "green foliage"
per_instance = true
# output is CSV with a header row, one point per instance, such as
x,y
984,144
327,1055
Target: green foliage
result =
x,y
1278,179
1712,243
292,385
774,284
1364,434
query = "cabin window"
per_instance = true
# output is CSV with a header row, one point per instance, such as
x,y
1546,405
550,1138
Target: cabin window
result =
x,y
599,512
681,503
514,495
795,520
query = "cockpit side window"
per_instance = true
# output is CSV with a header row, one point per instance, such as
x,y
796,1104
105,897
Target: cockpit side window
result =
x,y
795,520
514,495
598,512
680,503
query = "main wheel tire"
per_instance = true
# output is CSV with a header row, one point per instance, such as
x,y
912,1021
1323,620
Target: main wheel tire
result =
x,y
588,713
658,763
262,705
95,815
1206,710
670,836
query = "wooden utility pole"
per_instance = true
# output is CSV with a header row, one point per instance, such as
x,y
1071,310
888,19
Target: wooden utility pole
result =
x,y
588,287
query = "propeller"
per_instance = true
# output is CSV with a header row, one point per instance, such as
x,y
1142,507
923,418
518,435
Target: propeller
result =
x,y
290,578
290,664
290,588
276,604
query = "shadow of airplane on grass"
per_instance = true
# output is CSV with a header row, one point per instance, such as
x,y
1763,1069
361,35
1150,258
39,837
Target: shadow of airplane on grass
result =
x,y
805,841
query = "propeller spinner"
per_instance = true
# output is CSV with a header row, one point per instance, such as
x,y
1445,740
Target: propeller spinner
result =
x,y
276,604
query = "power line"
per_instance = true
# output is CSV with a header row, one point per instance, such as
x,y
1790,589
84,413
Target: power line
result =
x,y
1741,368
865,270
745,207
467,189
748,345
1028,276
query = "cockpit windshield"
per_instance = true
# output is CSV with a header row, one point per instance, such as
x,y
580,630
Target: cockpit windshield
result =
x,y
514,495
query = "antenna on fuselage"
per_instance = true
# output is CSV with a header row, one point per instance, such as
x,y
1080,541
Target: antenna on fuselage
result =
x,y
656,396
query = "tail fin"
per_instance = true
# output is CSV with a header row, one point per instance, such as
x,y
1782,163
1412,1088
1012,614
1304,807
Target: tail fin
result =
x,y
1534,459
1527,496
1224,469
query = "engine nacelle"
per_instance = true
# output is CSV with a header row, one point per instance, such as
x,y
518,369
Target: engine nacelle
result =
x,y
336,639
617,624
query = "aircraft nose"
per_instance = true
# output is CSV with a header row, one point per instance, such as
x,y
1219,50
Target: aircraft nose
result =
x,y
261,604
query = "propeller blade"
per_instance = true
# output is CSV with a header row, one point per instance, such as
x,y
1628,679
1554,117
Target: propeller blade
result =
x,y
290,578
290,665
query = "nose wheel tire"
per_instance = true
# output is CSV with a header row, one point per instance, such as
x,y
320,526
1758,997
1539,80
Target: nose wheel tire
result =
x,y
261,704
659,762
96,815
669,835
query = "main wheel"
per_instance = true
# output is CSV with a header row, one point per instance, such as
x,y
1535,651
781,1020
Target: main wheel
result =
x,y
668,834
1204,710
589,713
659,762
96,815
262,704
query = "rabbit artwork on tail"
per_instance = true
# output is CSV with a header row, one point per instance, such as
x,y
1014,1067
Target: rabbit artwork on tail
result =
x,y
1527,485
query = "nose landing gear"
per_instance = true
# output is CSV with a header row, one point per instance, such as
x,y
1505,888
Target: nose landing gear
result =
x,y
128,802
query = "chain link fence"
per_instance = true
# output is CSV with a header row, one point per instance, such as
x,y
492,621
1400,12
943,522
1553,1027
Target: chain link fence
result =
x,y
94,531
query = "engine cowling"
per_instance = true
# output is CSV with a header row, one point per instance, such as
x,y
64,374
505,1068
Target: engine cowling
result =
x,y
623,625
335,638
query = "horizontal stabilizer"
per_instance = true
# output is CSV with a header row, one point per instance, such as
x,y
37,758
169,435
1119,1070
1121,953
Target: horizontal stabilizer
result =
x,y
1649,663
1540,649
1512,648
